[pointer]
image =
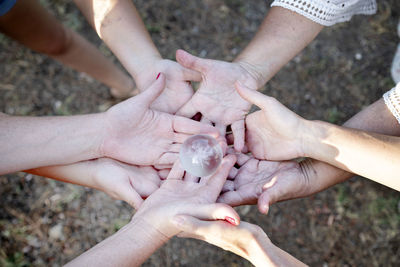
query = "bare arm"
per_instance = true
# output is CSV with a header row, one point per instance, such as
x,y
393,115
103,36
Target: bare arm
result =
x,y
281,36
371,155
375,118
130,246
28,142
118,23
374,156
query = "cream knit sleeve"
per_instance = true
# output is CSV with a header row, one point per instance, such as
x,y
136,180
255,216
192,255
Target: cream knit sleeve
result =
x,y
328,12
392,101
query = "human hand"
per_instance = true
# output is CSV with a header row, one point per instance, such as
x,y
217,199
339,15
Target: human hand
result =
x,y
274,132
265,182
123,181
178,195
178,89
246,240
216,99
138,135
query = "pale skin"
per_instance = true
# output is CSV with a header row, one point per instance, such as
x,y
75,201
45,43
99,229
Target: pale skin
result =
x,y
182,206
281,36
119,180
186,208
267,182
33,26
130,132
377,156
246,240
116,19
153,224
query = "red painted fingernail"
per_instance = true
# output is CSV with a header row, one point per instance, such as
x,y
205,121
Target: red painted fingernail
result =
x,y
158,76
230,220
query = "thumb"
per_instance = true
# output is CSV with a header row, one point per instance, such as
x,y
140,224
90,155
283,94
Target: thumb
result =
x,y
205,214
264,201
130,196
213,212
189,61
151,93
252,96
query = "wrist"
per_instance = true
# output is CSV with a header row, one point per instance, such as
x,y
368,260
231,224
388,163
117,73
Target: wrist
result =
x,y
312,133
260,248
253,71
141,226
145,72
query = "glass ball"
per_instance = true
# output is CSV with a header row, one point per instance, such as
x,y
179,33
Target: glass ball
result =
x,y
200,155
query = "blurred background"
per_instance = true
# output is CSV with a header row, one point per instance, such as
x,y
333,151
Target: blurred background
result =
x,y
357,223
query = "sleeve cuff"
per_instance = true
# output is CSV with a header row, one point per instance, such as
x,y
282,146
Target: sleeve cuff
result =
x,y
392,101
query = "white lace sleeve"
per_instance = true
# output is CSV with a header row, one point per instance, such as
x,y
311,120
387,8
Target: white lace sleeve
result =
x,y
392,101
328,12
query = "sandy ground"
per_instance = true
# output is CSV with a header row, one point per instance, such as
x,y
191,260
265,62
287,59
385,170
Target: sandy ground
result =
x,y
47,223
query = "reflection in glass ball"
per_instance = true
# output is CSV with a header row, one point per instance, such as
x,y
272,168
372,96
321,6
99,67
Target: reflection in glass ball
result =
x,y
200,155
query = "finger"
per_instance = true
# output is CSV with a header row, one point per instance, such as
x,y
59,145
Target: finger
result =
x,y
163,173
263,202
192,62
252,96
163,166
238,133
222,143
215,211
191,178
180,137
205,121
242,159
245,149
228,186
175,148
191,75
187,110
235,198
168,158
217,180
176,172
231,198
188,126
232,173
130,196
151,93
221,128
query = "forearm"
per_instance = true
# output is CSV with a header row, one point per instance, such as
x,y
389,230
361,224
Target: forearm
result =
x,y
371,155
80,173
281,36
375,118
29,142
118,23
130,246
264,253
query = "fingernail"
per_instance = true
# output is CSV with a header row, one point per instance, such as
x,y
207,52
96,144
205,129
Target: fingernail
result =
x,y
158,76
266,208
230,220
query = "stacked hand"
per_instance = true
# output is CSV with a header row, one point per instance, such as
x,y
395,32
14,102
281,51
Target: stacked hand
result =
x,y
216,99
137,134
177,84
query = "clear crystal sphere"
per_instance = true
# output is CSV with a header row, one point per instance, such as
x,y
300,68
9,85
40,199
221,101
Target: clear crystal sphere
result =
x,y
200,155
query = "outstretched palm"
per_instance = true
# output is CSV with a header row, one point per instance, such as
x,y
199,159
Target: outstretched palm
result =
x,y
265,182
177,86
180,196
216,99
138,135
